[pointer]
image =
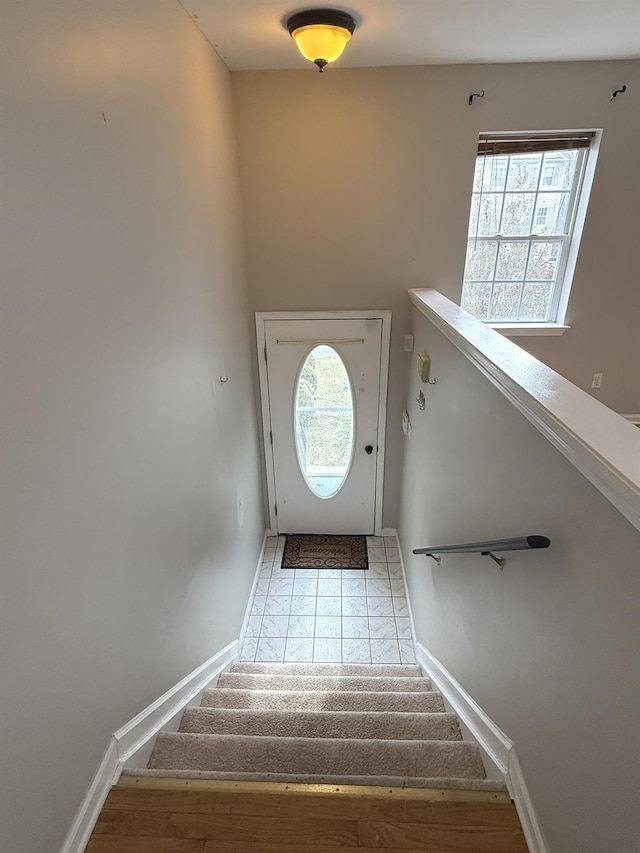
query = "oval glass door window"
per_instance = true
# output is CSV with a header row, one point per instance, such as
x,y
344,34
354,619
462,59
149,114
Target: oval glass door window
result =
x,y
324,421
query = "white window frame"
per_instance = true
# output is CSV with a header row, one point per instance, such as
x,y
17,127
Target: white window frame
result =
x,y
555,325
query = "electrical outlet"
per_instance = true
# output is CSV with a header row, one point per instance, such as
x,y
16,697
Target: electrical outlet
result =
x,y
597,380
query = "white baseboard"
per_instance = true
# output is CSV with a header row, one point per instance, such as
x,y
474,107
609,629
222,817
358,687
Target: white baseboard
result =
x,y
520,795
391,531
134,738
135,734
481,726
90,807
256,577
492,739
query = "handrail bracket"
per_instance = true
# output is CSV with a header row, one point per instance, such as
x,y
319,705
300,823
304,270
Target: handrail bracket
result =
x,y
499,560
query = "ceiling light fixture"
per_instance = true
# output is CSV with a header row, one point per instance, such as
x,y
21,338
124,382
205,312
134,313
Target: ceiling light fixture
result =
x,y
321,34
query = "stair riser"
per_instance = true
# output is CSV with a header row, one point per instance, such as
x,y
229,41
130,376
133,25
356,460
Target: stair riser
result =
x,y
273,700
440,782
365,669
387,726
316,756
241,681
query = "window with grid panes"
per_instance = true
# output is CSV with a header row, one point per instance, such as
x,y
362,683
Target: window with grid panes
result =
x,y
526,191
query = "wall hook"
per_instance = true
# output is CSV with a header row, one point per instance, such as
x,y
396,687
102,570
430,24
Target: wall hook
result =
x,y
619,91
475,95
224,379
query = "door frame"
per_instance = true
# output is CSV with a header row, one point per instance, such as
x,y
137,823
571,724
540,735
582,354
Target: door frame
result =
x,y
261,318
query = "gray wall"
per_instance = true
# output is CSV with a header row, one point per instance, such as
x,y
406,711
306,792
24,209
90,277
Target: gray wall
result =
x,y
356,186
549,646
131,508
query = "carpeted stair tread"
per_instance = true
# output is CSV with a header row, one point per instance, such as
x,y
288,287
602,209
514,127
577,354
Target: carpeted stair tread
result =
x,y
384,684
440,783
354,669
317,756
319,700
329,724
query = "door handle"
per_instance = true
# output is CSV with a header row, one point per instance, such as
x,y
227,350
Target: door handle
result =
x,y
369,449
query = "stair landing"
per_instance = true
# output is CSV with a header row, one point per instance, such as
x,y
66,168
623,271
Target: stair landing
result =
x,y
330,615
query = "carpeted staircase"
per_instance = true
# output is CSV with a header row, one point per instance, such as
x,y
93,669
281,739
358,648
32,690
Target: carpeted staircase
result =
x,y
322,723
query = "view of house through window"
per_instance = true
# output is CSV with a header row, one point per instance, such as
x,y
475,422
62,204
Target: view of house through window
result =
x,y
523,218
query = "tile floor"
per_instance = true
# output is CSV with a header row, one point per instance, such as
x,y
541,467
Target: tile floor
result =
x,y
331,615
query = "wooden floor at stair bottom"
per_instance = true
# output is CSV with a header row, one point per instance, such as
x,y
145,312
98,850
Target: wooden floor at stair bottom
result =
x,y
190,816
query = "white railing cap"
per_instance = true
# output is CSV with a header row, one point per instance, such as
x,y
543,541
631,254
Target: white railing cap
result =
x,y
601,444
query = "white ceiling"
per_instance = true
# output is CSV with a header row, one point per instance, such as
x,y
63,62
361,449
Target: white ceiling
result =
x,y
250,34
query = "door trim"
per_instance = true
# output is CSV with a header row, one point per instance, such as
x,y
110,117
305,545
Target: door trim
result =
x,y
261,318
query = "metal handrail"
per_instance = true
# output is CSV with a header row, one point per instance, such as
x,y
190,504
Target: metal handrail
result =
x,y
519,543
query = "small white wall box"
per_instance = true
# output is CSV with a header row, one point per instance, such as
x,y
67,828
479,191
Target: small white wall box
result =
x,y
424,366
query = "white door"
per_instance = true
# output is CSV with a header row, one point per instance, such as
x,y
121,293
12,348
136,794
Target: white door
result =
x,y
324,407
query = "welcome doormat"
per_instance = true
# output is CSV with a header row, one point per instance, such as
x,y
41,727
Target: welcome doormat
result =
x,y
312,551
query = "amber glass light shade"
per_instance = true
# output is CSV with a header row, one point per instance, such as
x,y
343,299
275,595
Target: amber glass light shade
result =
x,y
320,41
321,34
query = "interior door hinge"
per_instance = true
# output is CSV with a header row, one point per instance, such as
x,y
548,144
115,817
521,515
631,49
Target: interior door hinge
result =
x,y
265,354
275,508
271,436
